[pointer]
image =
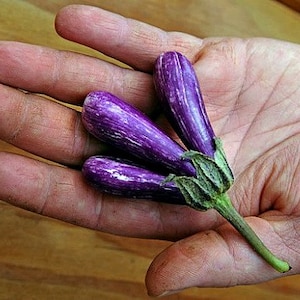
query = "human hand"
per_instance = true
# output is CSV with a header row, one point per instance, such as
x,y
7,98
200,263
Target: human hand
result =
x,y
251,92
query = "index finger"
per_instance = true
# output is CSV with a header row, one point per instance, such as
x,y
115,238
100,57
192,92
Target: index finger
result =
x,y
132,42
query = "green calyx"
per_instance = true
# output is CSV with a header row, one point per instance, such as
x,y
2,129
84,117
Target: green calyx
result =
x,y
209,190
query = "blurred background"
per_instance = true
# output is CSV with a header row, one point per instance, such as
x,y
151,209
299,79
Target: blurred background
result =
x,y
41,258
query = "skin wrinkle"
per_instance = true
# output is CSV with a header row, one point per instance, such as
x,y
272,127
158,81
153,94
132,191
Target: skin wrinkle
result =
x,y
230,247
118,32
165,270
277,87
70,137
158,219
81,140
161,227
244,206
152,41
59,194
102,76
31,122
270,199
208,45
86,147
294,181
136,90
189,250
119,85
110,221
243,81
189,254
48,178
247,133
296,230
277,155
291,97
128,83
177,233
15,60
38,179
230,274
244,89
282,241
99,74
281,237
59,59
20,109
231,148
100,220
183,43
55,73
97,198
98,206
98,209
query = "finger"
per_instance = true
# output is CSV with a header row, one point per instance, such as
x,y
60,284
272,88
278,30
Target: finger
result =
x,y
49,190
61,193
218,259
69,76
132,42
44,128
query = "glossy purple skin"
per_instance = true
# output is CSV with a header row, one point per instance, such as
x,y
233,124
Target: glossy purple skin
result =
x,y
119,124
121,178
178,88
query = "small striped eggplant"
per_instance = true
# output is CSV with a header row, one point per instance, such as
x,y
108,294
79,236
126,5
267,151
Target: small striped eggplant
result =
x,y
124,178
119,124
178,88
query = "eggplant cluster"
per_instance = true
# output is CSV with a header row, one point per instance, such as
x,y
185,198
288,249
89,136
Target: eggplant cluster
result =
x,y
119,124
160,169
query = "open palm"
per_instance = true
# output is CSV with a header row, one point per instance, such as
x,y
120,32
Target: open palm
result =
x,y
251,91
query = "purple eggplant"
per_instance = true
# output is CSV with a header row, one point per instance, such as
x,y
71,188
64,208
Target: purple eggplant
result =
x,y
120,177
178,88
119,124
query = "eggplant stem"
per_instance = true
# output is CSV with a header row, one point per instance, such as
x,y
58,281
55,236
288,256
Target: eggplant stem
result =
x,y
224,206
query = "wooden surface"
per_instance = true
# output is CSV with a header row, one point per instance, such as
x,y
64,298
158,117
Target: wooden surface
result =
x,y
41,258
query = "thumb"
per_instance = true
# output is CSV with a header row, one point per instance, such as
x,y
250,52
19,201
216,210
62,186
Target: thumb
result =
x,y
212,259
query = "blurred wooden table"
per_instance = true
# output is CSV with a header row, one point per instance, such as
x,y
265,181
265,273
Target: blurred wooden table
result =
x,y
41,258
